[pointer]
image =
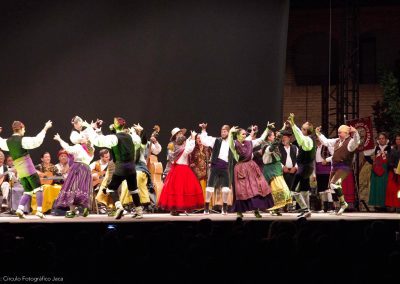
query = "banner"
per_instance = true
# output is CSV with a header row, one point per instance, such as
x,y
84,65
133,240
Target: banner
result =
x,y
364,128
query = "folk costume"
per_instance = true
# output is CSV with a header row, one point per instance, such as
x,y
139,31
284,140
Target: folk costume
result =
x,y
18,147
77,188
122,145
181,190
273,173
251,189
342,161
219,168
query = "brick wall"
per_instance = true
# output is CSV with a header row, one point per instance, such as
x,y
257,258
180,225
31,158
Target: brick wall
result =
x,y
305,101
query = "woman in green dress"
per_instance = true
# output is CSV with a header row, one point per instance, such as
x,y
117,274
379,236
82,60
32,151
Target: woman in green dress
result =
x,y
273,173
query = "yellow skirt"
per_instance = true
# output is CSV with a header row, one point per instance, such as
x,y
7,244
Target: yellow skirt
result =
x,y
50,194
280,193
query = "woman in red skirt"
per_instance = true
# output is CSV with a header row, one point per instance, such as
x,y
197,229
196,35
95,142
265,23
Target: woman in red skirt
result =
x,y
181,191
393,184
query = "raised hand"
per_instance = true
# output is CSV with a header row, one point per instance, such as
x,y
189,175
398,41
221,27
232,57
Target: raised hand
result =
x,y
352,129
99,122
48,125
234,129
138,127
57,137
291,119
271,125
318,130
193,134
93,124
203,125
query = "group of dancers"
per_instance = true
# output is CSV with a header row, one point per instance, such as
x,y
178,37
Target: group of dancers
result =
x,y
255,186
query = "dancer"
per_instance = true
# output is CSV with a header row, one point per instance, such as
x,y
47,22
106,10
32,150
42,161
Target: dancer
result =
x,y
219,170
393,185
122,144
273,172
175,133
76,189
342,159
323,158
305,163
198,161
80,131
18,147
252,191
181,190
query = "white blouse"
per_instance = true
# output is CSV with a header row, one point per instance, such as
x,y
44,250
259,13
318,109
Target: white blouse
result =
x,y
184,158
79,153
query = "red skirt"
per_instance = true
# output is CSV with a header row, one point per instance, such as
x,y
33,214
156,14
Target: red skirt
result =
x,y
181,190
348,188
393,186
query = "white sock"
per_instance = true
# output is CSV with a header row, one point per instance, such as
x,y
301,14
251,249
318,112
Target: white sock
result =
x,y
118,205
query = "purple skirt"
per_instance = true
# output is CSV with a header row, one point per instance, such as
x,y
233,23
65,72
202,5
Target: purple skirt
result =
x,y
256,202
76,189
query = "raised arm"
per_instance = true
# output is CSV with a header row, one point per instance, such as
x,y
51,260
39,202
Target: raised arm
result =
x,y
330,143
65,145
305,142
354,141
258,141
232,143
34,142
190,143
99,140
206,140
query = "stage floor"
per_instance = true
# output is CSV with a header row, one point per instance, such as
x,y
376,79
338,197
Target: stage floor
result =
x,y
359,216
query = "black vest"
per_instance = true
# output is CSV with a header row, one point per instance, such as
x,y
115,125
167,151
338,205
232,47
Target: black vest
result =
x,y
124,151
215,150
14,144
306,157
293,154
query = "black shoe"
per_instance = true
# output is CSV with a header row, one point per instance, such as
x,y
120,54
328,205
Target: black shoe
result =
x,y
174,213
304,214
257,214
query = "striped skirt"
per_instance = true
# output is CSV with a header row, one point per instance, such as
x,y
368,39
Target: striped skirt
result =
x,y
76,189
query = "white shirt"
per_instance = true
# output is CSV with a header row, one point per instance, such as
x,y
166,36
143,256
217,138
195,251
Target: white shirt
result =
x,y
27,142
209,141
184,158
351,147
108,141
80,154
267,157
318,157
155,148
289,162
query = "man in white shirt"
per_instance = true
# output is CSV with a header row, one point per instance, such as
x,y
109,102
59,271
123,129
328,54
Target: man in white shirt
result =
x,y
289,154
122,144
18,146
342,160
219,170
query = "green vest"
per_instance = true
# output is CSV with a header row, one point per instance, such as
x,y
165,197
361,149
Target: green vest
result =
x,y
14,144
124,151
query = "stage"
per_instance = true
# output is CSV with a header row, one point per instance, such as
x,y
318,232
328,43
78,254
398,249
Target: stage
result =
x,y
149,218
